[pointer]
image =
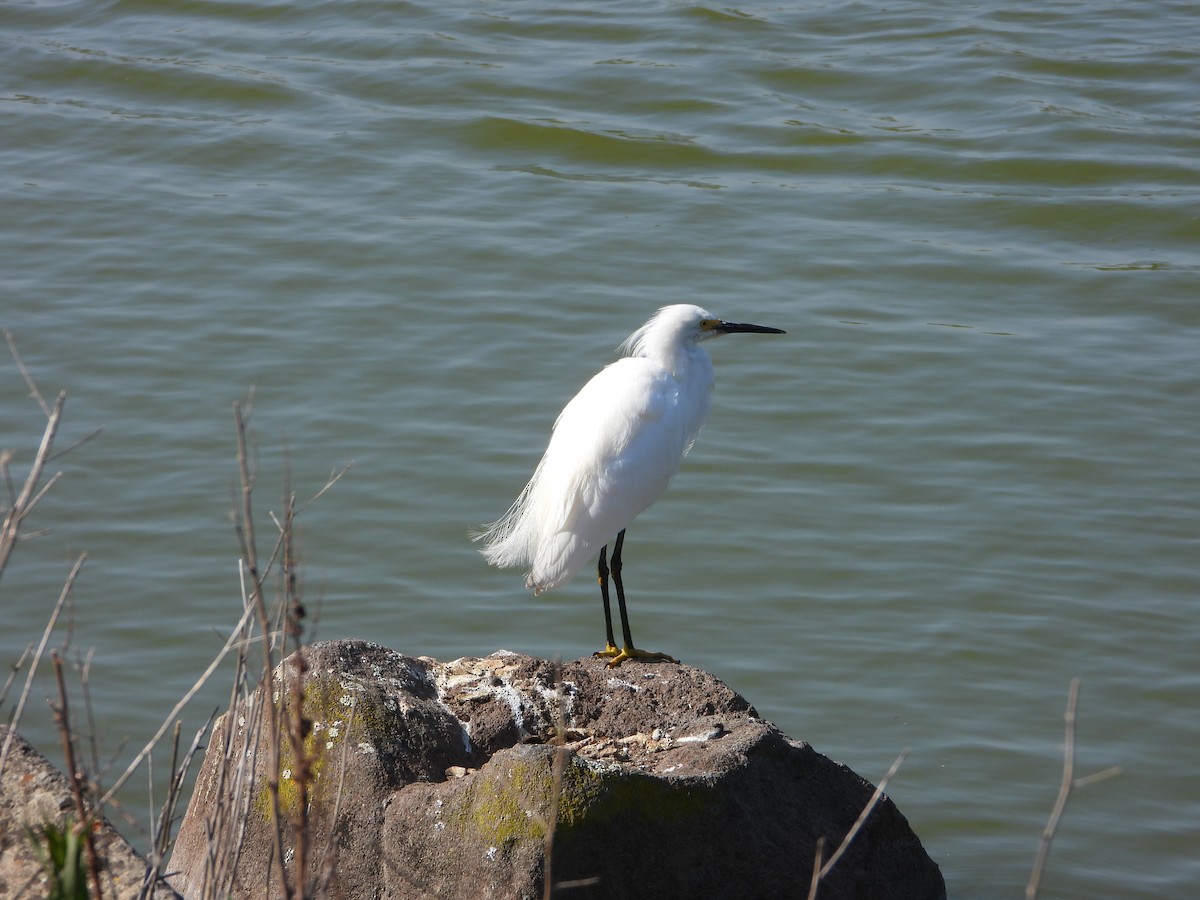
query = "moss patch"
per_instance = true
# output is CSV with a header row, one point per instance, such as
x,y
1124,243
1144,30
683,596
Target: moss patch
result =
x,y
503,807
512,801
592,797
338,712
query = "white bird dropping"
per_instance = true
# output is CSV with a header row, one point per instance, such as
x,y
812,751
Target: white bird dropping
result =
x,y
613,451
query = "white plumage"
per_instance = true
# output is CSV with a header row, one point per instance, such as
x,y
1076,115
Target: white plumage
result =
x,y
614,449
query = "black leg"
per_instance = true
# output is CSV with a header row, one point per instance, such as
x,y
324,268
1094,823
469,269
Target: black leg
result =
x,y
616,574
603,575
627,650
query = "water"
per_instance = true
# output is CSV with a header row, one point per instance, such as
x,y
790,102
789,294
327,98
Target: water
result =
x,y
967,474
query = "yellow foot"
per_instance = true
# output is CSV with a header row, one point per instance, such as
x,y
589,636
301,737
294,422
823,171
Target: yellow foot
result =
x,y
609,651
616,657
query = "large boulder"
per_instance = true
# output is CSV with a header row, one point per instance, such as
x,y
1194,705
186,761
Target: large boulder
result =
x,y
478,778
33,795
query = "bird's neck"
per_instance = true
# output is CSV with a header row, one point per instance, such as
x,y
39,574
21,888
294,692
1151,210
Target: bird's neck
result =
x,y
687,364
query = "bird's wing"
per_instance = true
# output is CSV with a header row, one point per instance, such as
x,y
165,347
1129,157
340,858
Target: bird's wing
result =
x,y
615,447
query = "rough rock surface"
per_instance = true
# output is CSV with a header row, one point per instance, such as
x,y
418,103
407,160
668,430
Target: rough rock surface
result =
x,y
33,793
442,779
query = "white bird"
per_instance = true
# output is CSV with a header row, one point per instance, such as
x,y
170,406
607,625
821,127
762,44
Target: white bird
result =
x,y
613,451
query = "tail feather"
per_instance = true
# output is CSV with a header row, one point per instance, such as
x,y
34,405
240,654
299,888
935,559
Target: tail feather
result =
x,y
539,533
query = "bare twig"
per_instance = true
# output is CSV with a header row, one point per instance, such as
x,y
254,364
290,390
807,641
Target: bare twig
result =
x,y
75,775
561,755
562,758
227,826
1102,775
245,519
329,855
33,388
5,458
234,638
1064,794
162,830
75,446
299,726
855,828
166,818
270,712
37,498
272,719
37,656
85,684
334,477
816,869
12,676
29,495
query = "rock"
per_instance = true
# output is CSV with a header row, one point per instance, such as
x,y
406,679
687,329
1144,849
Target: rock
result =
x,y
441,779
33,793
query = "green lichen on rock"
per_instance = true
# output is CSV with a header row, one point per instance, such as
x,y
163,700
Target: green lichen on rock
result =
x,y
337,713
508,806
512,801
597,797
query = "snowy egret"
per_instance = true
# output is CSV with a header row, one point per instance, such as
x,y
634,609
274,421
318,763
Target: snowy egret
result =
x,y
613,450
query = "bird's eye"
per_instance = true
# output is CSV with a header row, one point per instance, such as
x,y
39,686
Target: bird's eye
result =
x,y
709,324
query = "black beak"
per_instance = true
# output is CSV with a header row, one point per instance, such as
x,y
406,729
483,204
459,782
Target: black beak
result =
x,y
743,328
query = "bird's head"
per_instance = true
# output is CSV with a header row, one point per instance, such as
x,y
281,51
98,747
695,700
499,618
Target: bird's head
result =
x,y
675,328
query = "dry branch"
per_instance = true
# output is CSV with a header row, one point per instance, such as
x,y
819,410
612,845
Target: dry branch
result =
x,y
29,495
23,502
821,871
1064,794
37,657
75,776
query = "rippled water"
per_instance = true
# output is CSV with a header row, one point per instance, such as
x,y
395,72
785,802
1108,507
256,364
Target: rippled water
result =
x,y
967,474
